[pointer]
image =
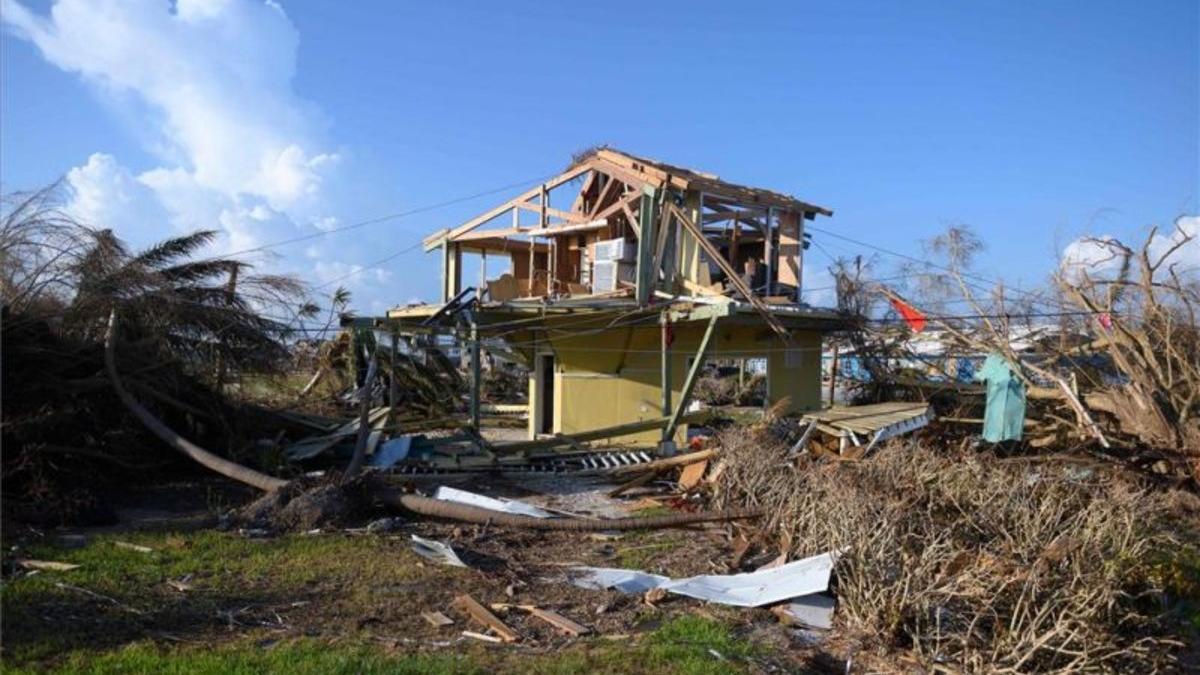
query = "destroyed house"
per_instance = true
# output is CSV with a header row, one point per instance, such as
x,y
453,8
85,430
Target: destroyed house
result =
x,y
616,280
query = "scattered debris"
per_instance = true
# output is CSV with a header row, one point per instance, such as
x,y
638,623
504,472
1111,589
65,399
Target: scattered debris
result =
x,y
484,616
133,547
812,611
482,637
450,494
385,525
46,565
182,584
560,622
437,619
391,451
851,425
692,474
436,551
551,617
750,589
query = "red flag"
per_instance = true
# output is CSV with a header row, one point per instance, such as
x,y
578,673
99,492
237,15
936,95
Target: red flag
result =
x,y
913,316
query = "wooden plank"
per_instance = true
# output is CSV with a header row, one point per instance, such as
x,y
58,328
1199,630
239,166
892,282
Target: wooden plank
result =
x,y
559,621
790,250
633,219
732,274
741,215
482,218
482,615
557,213
665,463
646,279
609,192
437,619
631,178
697,365
629,485
692,474
596,434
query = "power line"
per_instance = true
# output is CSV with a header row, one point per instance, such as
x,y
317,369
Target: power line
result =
x,y
391,216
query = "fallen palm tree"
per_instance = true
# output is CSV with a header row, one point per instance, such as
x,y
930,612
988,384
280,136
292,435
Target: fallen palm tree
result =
x,y
189,322
283,508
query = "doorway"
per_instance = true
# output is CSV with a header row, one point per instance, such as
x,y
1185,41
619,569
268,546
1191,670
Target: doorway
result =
x,y
545,392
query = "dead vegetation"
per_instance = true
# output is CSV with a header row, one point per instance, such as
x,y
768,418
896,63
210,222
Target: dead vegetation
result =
x,y
965,563
187,322
1109,358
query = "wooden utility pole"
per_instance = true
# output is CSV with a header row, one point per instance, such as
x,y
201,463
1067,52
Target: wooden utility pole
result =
x,y
476,370
393,390
833,375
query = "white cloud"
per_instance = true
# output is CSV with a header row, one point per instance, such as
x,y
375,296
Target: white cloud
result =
x,y
1101,256
240,150
106,195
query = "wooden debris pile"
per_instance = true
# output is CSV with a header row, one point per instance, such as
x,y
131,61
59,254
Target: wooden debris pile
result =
x,y
967,563
1111,363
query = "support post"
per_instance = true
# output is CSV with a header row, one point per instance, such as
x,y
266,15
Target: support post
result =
x,y
393,388
451,270
482,288
833,375
475,374
645,249
666,365
771,252
685,396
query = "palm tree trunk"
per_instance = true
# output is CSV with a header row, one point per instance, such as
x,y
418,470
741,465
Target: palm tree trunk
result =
x,y
221,465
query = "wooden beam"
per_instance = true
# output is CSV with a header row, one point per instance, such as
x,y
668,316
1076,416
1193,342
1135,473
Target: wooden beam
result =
x,y
633,219
638,168
660,245
631,178
609,190
665,374
689,384
742,215
574,172
734,279
646,277
476,374
593,435
577,205
556,213
484,616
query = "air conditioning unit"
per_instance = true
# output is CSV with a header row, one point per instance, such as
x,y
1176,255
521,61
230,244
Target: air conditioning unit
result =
x,y
607,273
616,249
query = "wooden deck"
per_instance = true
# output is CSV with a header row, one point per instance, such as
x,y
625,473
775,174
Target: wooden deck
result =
x,y
877,421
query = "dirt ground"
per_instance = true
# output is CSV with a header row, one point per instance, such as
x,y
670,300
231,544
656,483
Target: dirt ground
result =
x,y
192,587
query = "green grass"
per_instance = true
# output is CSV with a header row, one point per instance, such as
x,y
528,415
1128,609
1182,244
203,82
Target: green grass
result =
x,y
684,645
51,628
298,658
225,570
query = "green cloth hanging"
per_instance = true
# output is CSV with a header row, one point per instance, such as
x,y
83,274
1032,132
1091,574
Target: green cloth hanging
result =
x,y
1005,415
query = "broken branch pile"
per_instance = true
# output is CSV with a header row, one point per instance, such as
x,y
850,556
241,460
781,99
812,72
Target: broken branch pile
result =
x,y
968,563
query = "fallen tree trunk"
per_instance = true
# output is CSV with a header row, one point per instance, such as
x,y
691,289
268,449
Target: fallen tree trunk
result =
x,y
437,508
390,497
219,464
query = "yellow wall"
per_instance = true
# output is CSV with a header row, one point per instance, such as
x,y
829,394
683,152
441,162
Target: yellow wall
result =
x,y
613,377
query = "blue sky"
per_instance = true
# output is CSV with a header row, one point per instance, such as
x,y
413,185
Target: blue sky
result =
x,y
1035,123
